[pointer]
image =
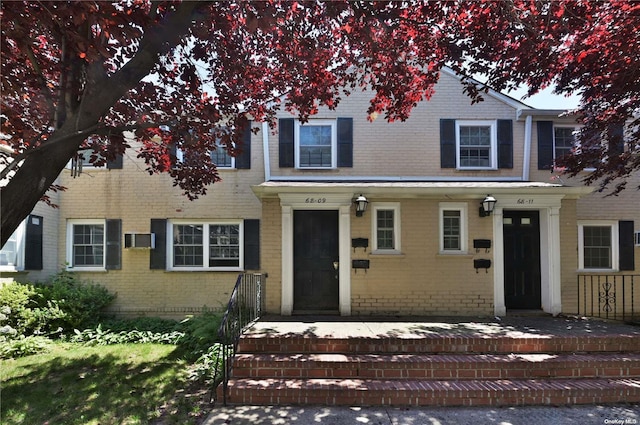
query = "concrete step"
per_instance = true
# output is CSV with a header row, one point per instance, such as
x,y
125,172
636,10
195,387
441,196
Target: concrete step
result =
x,y
548,344
379,392
439,366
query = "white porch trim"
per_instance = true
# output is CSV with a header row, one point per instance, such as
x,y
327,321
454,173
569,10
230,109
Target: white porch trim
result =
x,y
549,208
328,201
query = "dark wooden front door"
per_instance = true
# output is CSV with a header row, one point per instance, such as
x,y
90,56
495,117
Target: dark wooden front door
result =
x,y
315,249
522,259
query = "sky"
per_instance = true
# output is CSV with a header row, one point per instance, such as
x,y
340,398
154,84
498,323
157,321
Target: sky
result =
x,y
546,99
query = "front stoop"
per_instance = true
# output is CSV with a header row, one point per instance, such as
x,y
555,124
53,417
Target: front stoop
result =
x,y
436,370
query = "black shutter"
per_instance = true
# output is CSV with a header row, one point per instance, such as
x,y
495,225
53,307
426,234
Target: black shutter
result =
x,y
615,136
243,161
345,142
505,144
116,164
625,239
285,138
33,243
158,257
114,252
447,143
252,244
545,145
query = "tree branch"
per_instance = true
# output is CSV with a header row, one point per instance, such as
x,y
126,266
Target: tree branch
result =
x,y
95,130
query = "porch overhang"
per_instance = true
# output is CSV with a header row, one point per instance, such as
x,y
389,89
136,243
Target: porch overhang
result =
x,y
420,189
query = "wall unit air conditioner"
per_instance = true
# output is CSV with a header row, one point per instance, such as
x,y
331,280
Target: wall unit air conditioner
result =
x,y
140,240
637,238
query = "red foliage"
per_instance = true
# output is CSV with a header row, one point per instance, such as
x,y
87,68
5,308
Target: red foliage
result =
x,y
237,57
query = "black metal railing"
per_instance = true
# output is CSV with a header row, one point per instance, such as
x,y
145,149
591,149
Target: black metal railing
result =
x,y
609,296
244,308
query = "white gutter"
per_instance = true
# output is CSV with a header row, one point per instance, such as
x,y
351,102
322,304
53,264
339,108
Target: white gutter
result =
x,y
526,157
265,151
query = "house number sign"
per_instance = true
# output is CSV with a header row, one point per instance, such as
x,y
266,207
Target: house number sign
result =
x,y
525,201
315,200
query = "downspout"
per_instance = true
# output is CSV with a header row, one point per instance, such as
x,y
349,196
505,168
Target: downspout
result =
x,y
526,157
265,152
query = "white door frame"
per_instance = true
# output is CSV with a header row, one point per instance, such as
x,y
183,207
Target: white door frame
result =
x,y
550,276
317,201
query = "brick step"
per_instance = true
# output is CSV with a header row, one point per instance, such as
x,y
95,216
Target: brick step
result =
x,y
550,344
439,366
358,392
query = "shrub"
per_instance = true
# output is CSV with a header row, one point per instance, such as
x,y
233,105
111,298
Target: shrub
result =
x,y
80,301
64,303
201,333
29,312
23,346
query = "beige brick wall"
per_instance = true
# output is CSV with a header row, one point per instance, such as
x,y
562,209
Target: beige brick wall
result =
x,y
420,281
410,148
135,197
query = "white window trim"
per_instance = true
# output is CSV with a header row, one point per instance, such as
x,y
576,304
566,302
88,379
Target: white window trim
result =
x,y
206,246
375,207
20,234
70,265
462,207
233,159
334,143
615,254
180,158
493,158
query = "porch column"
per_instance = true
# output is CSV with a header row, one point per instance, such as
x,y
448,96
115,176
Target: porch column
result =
x,y
286,305
555,285
499,306
344,249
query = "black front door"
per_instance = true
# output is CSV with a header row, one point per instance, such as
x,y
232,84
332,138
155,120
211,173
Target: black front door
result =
x,y
315,250
522,259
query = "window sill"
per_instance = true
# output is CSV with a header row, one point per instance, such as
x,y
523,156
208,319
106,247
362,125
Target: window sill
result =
x,y
477,169
387,254
8,269
202,269
598,271
454,254
87,269
316,168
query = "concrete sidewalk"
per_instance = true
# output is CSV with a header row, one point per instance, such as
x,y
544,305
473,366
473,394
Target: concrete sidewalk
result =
x,y
529,415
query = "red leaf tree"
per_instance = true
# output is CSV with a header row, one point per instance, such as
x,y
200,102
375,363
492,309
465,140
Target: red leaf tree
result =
x,y
78,75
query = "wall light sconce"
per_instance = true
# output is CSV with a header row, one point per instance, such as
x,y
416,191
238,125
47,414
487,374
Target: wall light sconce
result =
x,y
361,205
487,206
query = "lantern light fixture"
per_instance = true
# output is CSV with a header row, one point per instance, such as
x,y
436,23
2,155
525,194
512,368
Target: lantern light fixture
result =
x,y
487,206
361,205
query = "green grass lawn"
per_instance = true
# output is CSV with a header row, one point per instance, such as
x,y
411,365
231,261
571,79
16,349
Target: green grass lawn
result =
x,y
115,384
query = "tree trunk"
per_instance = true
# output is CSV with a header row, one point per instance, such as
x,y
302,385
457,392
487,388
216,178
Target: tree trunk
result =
x,y
41,168
31,181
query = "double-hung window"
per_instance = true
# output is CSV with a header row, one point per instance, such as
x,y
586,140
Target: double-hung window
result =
x,y
386,227
453,228
476,145
220,156
86,244
316,144
564,140
598,245
206,245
